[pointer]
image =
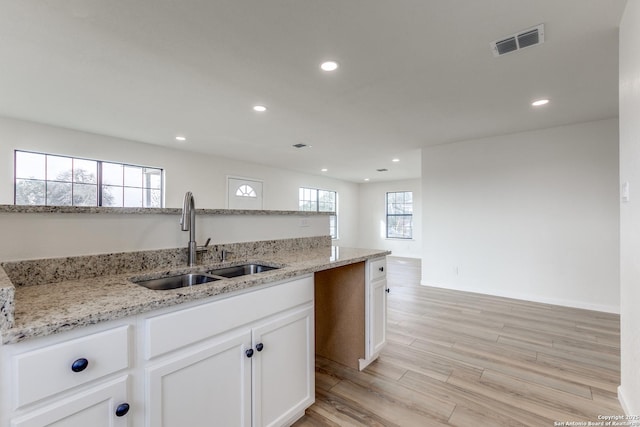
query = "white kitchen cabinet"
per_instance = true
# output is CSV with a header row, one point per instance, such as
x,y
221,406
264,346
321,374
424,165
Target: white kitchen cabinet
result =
x,y
378,316
376,310
245,360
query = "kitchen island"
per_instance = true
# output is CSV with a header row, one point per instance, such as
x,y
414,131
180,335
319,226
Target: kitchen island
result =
x,y
162,345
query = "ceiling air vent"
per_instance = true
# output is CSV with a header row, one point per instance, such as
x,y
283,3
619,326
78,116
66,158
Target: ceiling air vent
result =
x,y
299,145
525,38
382,170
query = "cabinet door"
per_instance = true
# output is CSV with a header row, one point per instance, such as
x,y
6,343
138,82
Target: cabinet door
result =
x,y
210,386
283,363
96,407
378,315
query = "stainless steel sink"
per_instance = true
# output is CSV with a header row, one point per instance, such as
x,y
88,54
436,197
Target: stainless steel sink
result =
x,y
174,282
192,279
241,270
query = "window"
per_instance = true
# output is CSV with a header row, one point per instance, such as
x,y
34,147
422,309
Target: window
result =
x,y
400,215
51,180
314,200
246,191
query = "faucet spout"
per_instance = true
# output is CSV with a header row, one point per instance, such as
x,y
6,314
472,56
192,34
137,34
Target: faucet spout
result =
x,y
188,222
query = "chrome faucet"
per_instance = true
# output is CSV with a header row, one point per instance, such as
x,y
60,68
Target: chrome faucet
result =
x,y
188,222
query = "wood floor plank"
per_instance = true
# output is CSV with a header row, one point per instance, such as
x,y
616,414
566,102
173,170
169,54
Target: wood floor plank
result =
x,y
429,368
511,398
604,352
394,412
388,367
463,397
524,343
594,377
386,393
480,417
463,359
524,368
400,338
557,404
325,380
336,411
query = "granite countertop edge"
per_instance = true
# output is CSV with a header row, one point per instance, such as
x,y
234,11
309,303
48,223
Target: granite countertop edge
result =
x,y
58,307
29,209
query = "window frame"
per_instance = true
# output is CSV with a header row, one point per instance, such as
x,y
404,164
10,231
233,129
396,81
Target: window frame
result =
x,y
396,215
333,218
99,181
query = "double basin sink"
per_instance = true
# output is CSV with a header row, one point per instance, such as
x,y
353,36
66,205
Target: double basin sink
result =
x,y
191,279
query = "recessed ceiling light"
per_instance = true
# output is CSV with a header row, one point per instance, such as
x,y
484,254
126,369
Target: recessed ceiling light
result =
x,y
180,138
395,160
324,169
329,66
540,102
259,108
366,179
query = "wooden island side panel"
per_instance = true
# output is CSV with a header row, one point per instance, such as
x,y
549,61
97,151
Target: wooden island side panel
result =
x,y
340,314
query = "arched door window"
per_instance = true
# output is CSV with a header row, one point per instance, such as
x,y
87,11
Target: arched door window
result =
x,y
246,191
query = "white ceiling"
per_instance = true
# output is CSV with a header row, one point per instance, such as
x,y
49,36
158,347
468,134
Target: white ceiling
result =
x,y
413,73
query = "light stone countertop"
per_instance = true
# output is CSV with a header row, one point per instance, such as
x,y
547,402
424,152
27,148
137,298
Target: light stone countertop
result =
x,y
28,209
52,308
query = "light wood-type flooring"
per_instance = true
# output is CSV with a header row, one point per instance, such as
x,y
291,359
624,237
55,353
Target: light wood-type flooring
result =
x,y
463,359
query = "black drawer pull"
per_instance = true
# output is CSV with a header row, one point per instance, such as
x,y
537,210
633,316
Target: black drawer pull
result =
x,y
387,290
381,268
122,410
249,352
79,365
259,346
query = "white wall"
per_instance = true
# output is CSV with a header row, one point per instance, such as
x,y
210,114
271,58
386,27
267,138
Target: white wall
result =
x,y
33,236
629,391
204,175
532,215
372,224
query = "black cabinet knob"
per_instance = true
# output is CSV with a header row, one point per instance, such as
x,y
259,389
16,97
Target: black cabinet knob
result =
x,y
122,410
387,290
381,268
249,352
79,365
259,347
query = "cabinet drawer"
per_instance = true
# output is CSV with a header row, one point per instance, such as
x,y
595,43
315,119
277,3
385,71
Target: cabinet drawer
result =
x,y
171,331
378,268
47,371
91,408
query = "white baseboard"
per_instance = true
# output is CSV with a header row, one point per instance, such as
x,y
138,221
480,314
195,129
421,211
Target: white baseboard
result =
x,y
623,402
533,298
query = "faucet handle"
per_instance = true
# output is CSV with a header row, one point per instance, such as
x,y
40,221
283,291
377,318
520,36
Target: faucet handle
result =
x,y
204,247
223,254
